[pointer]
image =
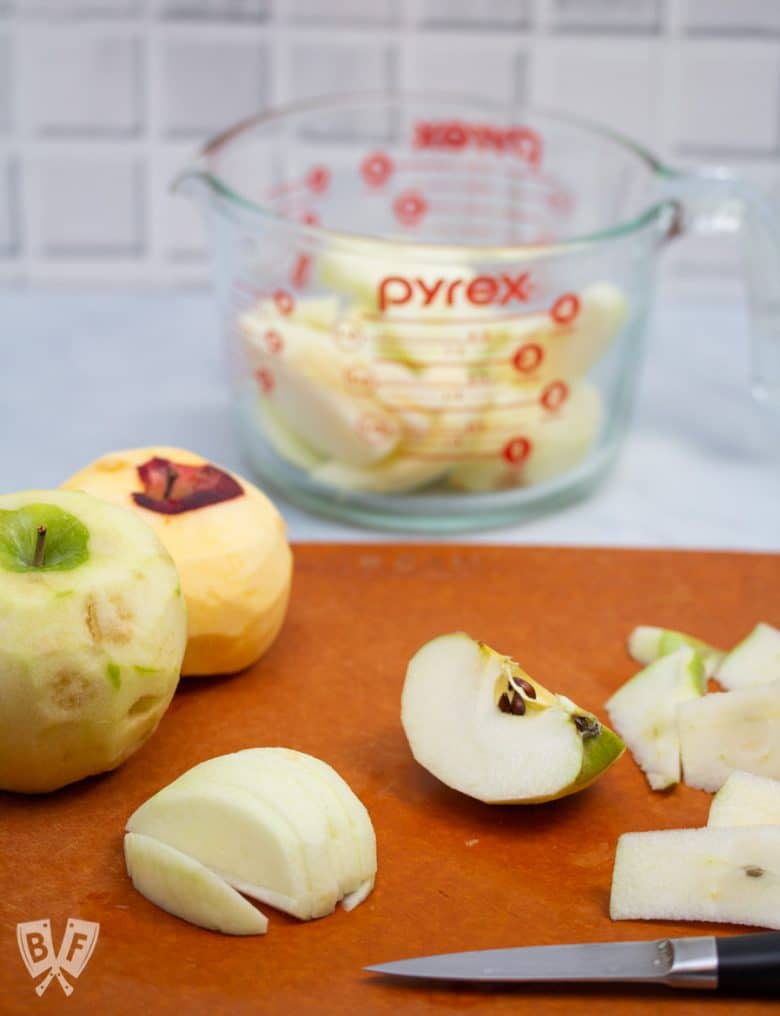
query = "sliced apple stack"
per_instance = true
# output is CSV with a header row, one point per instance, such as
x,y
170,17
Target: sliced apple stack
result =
x,y
481,725
673,729
277,825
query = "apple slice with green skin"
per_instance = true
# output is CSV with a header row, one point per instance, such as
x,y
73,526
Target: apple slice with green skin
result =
x,y
730,875
187,889
91,638
647,644
756,660
482,726
644,713
746,799
730,730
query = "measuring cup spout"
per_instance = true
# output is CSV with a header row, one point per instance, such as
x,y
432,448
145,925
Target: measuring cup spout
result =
x,y
192,181
717,202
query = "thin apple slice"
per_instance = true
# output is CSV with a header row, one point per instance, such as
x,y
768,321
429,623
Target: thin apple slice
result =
x,y
730,875
272,784
187,889
282,437
644,713
746,800
476,721
246,841
355,811
271,775
756,660
647,644
730,730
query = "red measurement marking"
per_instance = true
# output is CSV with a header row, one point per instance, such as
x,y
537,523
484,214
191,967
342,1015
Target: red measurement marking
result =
x,y
565,309
410,207
359,378
516,450
285,303
274,343
376,169
265,379
317,179
455,135
554,395
301,271
374,429
528,357
561,201
310,219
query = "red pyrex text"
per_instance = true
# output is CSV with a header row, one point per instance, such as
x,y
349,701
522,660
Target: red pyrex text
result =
x,y
396,290
524,142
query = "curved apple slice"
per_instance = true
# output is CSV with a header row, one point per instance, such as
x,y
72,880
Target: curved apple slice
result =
x,y
746,799
756,660
245,841
647,644
355,811
187,889
557,440
273,777
273,785
644,713
283,439
476,721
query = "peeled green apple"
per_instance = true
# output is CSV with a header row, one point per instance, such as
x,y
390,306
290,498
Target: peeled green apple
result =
x,y
699,875
647,643
226,537
274,824
644,713
746,799
92,634
482,726
730,730
756,660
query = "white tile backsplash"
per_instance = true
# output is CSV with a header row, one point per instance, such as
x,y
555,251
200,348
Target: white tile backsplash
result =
x,y
90,207
729,105
79,83
102,101
210,83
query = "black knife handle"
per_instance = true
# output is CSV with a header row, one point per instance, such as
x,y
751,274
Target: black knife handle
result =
x,y
749,963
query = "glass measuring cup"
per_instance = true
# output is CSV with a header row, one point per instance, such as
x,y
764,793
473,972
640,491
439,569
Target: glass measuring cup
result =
x,y
434,308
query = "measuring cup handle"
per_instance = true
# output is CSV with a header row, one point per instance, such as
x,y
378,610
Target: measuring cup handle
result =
x,y
717,202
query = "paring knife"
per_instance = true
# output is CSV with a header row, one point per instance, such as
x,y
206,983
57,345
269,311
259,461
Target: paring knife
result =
x,y
741,964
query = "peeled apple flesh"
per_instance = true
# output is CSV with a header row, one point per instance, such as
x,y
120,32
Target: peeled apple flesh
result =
x,y
756,660
273,824
647,643
746,800
708,874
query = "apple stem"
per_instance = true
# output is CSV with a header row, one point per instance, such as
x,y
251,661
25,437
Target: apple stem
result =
x,y
173,476
40,547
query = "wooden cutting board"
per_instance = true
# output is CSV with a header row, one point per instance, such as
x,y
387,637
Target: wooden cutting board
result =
x,y
453,874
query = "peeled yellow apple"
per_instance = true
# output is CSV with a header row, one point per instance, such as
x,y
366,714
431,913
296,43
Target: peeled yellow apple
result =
x,y
228,542
92,634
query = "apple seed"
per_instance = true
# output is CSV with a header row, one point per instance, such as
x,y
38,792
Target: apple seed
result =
x,y
753,871
520,684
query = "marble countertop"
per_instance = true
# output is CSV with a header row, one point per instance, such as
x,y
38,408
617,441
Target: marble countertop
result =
x,y
87,371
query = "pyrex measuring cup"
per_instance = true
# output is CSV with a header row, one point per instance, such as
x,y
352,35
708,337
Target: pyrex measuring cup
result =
x,y
434,308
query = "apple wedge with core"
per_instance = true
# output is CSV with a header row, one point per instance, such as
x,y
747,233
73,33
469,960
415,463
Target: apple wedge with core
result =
x,y
647,644
644,713
756,660
273,824
746,800
185,888
730,875
480,724
730,730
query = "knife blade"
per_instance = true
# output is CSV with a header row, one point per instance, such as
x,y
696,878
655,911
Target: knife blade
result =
x,y
741,963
